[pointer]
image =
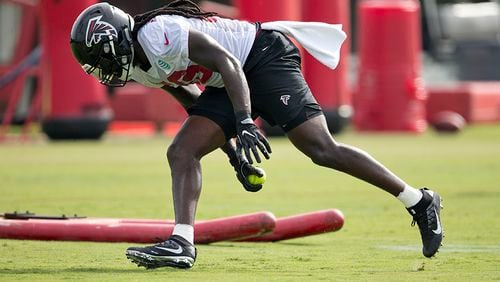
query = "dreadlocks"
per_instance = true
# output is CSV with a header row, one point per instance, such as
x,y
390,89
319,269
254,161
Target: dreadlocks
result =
x,y
184,8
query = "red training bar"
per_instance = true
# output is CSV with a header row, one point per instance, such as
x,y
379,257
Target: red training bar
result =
x,y
135,231
303,225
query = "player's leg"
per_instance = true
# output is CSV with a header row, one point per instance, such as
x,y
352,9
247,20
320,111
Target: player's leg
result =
x,y
313,139
197,137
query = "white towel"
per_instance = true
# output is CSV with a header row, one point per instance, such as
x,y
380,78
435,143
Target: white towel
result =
x,y
321,40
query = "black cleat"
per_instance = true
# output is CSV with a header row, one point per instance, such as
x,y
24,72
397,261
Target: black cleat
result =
x,y
426,215
175,252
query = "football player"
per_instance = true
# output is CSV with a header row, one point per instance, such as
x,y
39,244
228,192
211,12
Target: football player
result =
x,y
249,70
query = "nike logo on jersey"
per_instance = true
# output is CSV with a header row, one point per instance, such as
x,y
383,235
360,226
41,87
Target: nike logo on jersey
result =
x,y
438,228
284,99
167,42
175,251
247,133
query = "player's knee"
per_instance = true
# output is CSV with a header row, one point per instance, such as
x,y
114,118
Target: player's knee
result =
x,y
327,157
178,155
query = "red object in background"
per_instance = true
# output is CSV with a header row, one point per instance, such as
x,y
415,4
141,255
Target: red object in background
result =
x,y
25,41
330,87
301,225
74,104
268,10
475,101
12,92
390,94
135,231
136,102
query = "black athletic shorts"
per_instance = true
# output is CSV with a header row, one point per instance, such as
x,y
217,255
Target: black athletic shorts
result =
x,y
278,92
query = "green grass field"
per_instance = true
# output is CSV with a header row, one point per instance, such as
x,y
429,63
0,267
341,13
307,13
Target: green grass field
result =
x,y
129,177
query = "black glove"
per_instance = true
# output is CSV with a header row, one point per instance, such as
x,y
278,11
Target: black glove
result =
x,y
249,138
244,169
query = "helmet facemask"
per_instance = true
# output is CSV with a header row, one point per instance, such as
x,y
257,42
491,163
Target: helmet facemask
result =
x,y
112,68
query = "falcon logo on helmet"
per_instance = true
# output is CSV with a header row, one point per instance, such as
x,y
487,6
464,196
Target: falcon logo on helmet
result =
x,y
96,29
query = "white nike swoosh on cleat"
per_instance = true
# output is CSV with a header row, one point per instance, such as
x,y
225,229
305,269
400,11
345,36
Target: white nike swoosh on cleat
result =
x,y
175,251
438,228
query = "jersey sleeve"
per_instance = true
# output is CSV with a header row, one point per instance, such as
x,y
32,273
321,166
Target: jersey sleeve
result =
x,y
165,42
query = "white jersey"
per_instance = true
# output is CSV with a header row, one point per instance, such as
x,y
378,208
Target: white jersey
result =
x,y
165,42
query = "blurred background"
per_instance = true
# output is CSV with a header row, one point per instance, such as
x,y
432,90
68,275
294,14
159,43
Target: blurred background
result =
x,y
407,66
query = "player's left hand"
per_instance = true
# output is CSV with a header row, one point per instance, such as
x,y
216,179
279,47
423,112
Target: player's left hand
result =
x,y
243,170
249,139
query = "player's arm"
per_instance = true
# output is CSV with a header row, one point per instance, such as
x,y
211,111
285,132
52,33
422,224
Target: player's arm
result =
x,y
186,96
204,50
207,52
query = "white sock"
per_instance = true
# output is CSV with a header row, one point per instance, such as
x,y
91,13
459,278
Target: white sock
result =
x,y
186,231
410,196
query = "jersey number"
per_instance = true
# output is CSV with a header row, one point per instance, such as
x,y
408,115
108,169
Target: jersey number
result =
x,y
193,74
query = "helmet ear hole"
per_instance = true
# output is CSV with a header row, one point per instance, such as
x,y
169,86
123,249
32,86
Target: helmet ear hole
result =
x,y
128,34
